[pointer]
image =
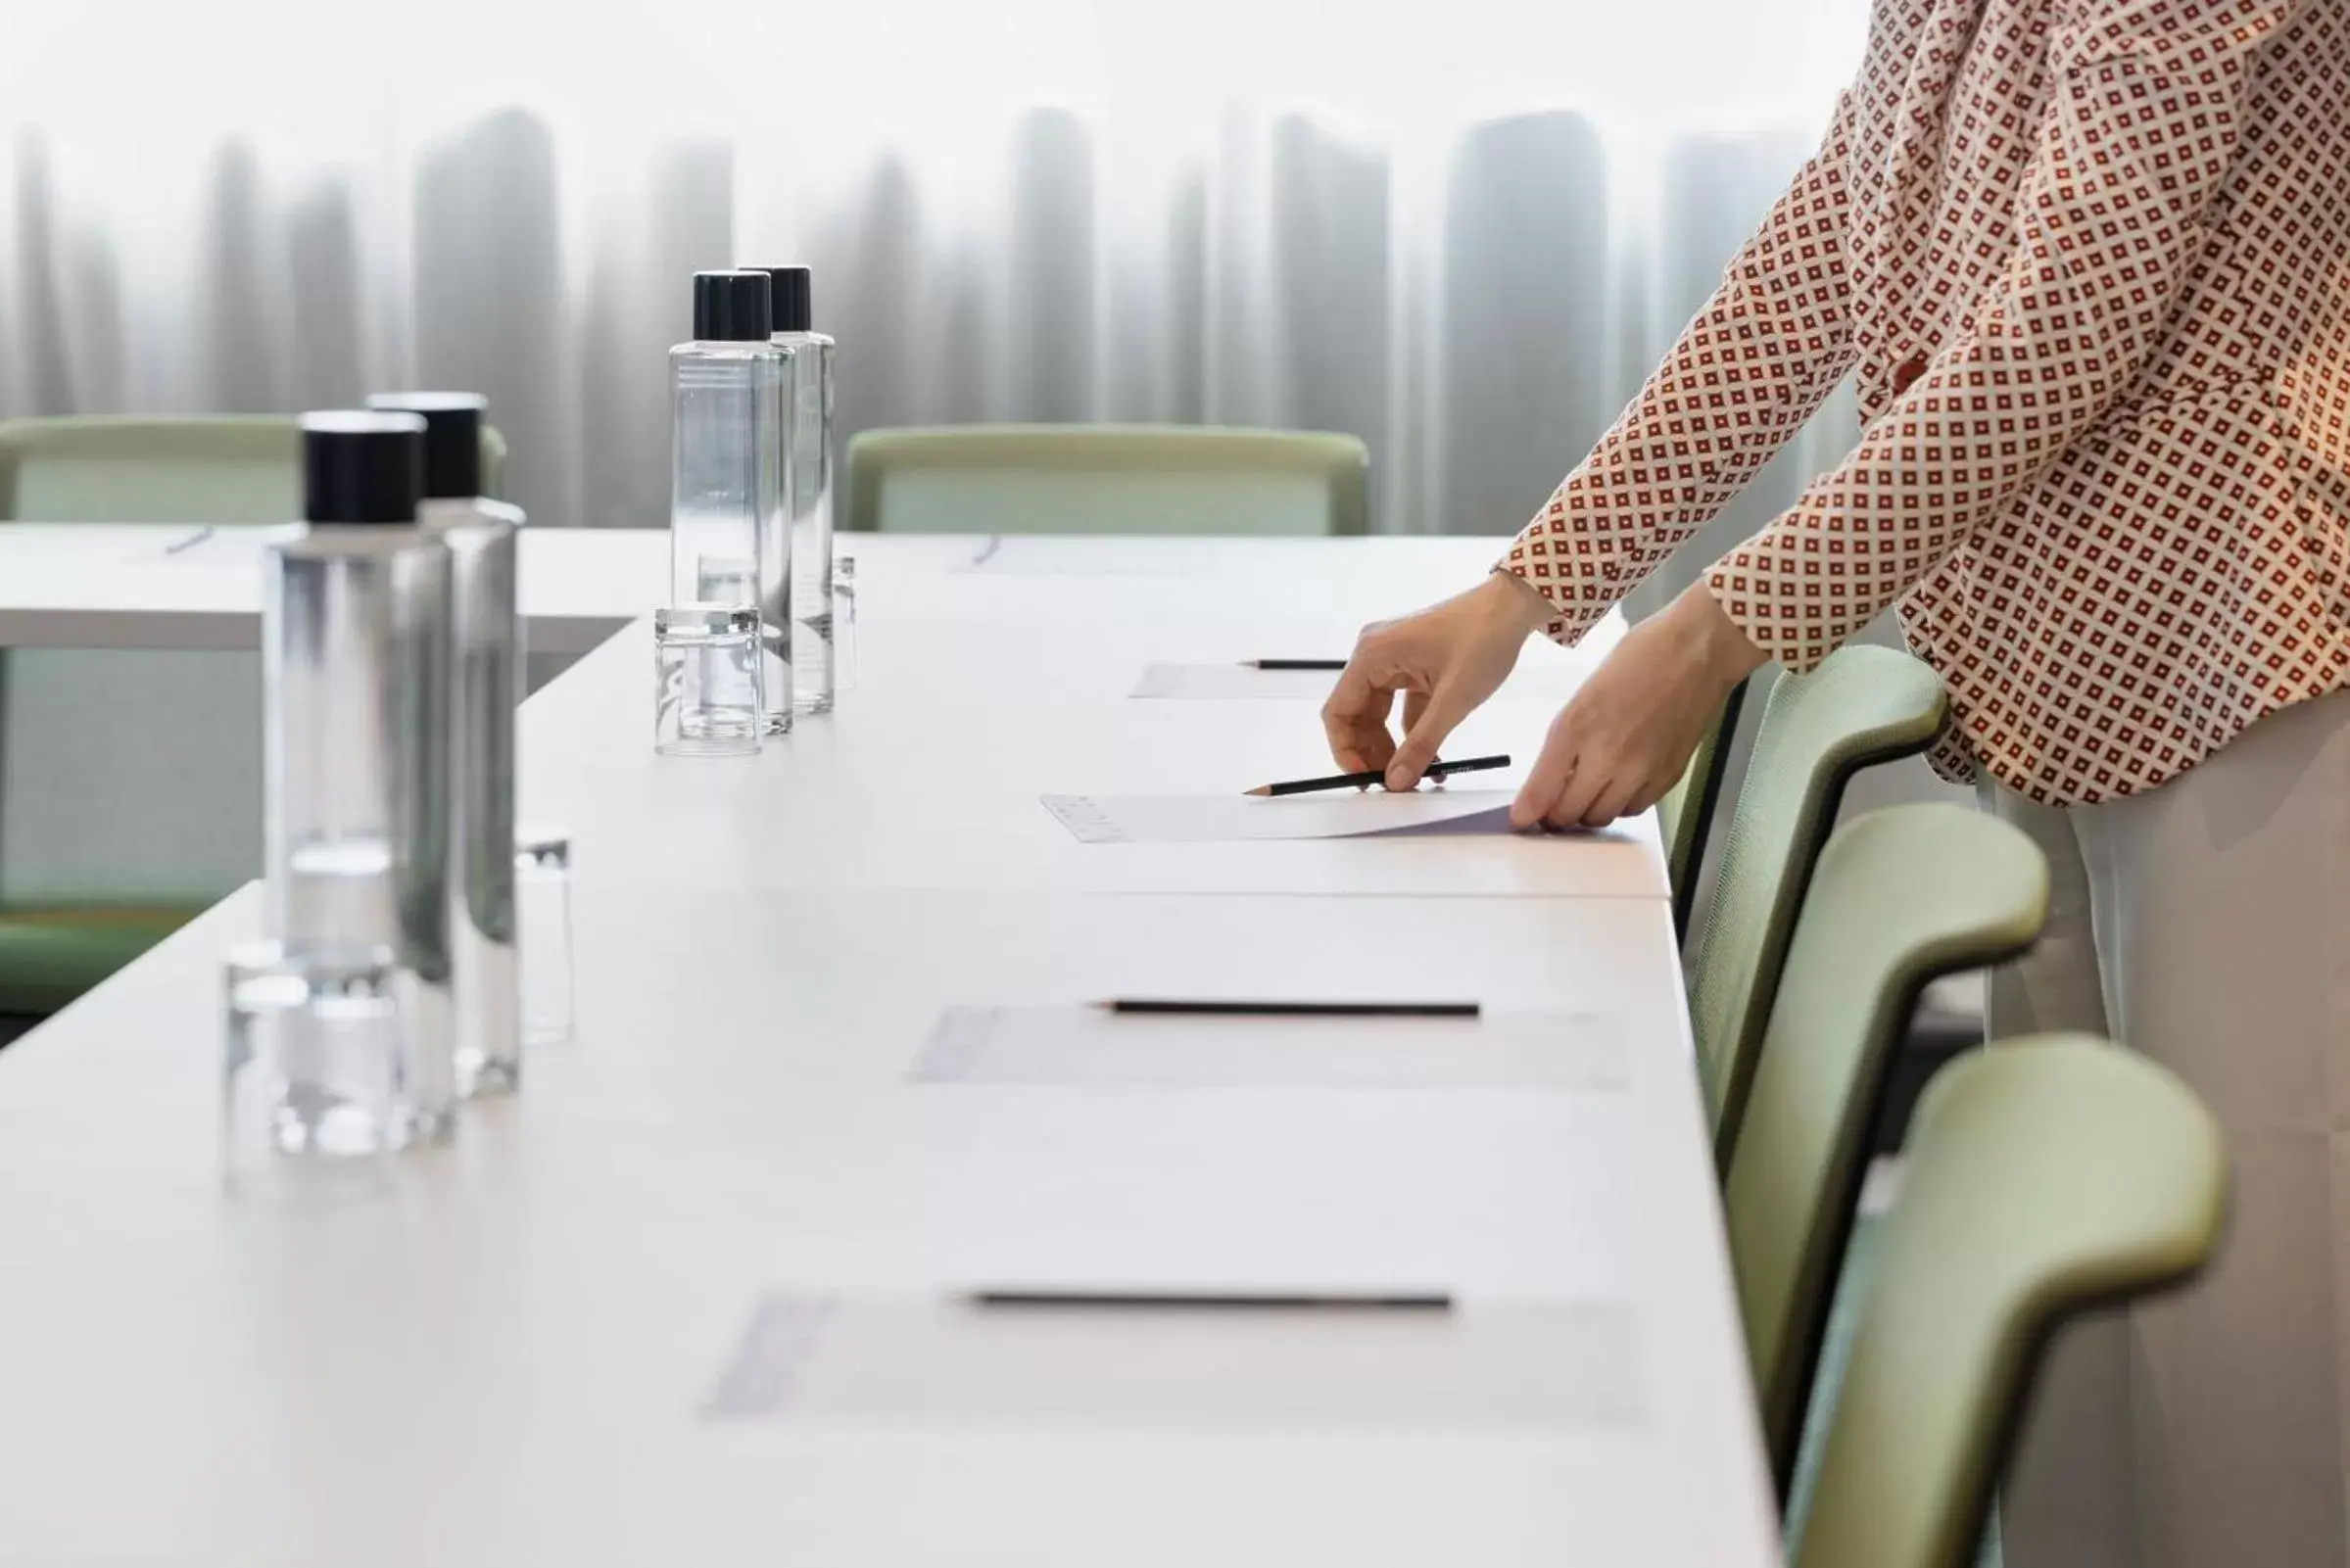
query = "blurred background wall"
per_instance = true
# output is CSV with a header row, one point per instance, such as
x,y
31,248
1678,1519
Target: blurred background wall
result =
x,y
1461,231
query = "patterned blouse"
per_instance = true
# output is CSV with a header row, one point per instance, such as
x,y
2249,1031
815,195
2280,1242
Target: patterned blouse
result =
x,y
2090,261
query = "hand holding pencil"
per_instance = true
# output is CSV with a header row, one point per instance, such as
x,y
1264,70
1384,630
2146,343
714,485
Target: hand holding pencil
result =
x,y
1444,661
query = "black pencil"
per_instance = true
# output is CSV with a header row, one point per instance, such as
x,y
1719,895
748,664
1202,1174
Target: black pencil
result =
x,y
1230,1301
1229,1007
1371,776
1295,664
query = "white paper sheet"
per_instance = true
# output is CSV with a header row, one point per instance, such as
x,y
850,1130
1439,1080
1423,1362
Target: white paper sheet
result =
x,y
1091,1045
1234,682
892,1360
1226,818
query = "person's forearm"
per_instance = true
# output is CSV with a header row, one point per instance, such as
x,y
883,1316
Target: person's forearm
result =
x,y
1753,365
2107,236
1521,598
1720,652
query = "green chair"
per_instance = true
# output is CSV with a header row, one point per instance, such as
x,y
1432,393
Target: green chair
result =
x,y
2044,1177
1901,897
101,896
1862,705
221,470
1107,479
1685,816
214,470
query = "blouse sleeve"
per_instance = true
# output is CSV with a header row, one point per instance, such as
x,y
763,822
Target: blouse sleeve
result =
x,y
2142,132
1746,373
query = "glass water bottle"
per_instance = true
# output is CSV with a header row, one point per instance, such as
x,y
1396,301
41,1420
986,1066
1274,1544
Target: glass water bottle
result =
x,y
355,659
808,434
486,685
730,540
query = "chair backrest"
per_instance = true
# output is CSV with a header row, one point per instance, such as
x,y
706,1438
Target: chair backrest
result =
x,y
1107,479
221,470
1862,705
224,470
1685,815
1901,897
2044,1177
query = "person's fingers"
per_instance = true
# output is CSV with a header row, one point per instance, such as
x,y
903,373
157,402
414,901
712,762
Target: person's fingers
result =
x,y
1415,705
1614,801
1353,714
1595,773
1352,694
1439,713
1375,749
1649,792
1365,748
1550,773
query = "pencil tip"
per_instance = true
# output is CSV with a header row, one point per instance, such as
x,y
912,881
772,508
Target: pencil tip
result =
x,y
1261,789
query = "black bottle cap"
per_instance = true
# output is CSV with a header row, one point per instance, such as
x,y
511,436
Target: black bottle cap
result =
x,y
452,423
732,308
794,311
362,467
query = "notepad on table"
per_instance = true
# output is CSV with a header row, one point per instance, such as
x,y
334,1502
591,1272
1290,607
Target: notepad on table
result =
x,y
1115,1362
1084,1044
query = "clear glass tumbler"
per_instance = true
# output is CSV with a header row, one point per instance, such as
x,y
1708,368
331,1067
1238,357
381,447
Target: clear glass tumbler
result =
x,y
542,922
706,667
317,1063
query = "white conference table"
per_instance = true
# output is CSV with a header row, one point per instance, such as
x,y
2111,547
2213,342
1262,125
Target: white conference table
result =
x,y
702,1291
181,587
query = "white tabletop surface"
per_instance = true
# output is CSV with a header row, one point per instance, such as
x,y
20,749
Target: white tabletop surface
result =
x,y
557,1341
159,585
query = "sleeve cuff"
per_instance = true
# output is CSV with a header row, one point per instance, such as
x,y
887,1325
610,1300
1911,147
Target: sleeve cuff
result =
x,y
1785,622
1570,584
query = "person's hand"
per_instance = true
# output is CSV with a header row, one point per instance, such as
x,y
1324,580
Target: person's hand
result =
x,y
1445,660
1619,744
